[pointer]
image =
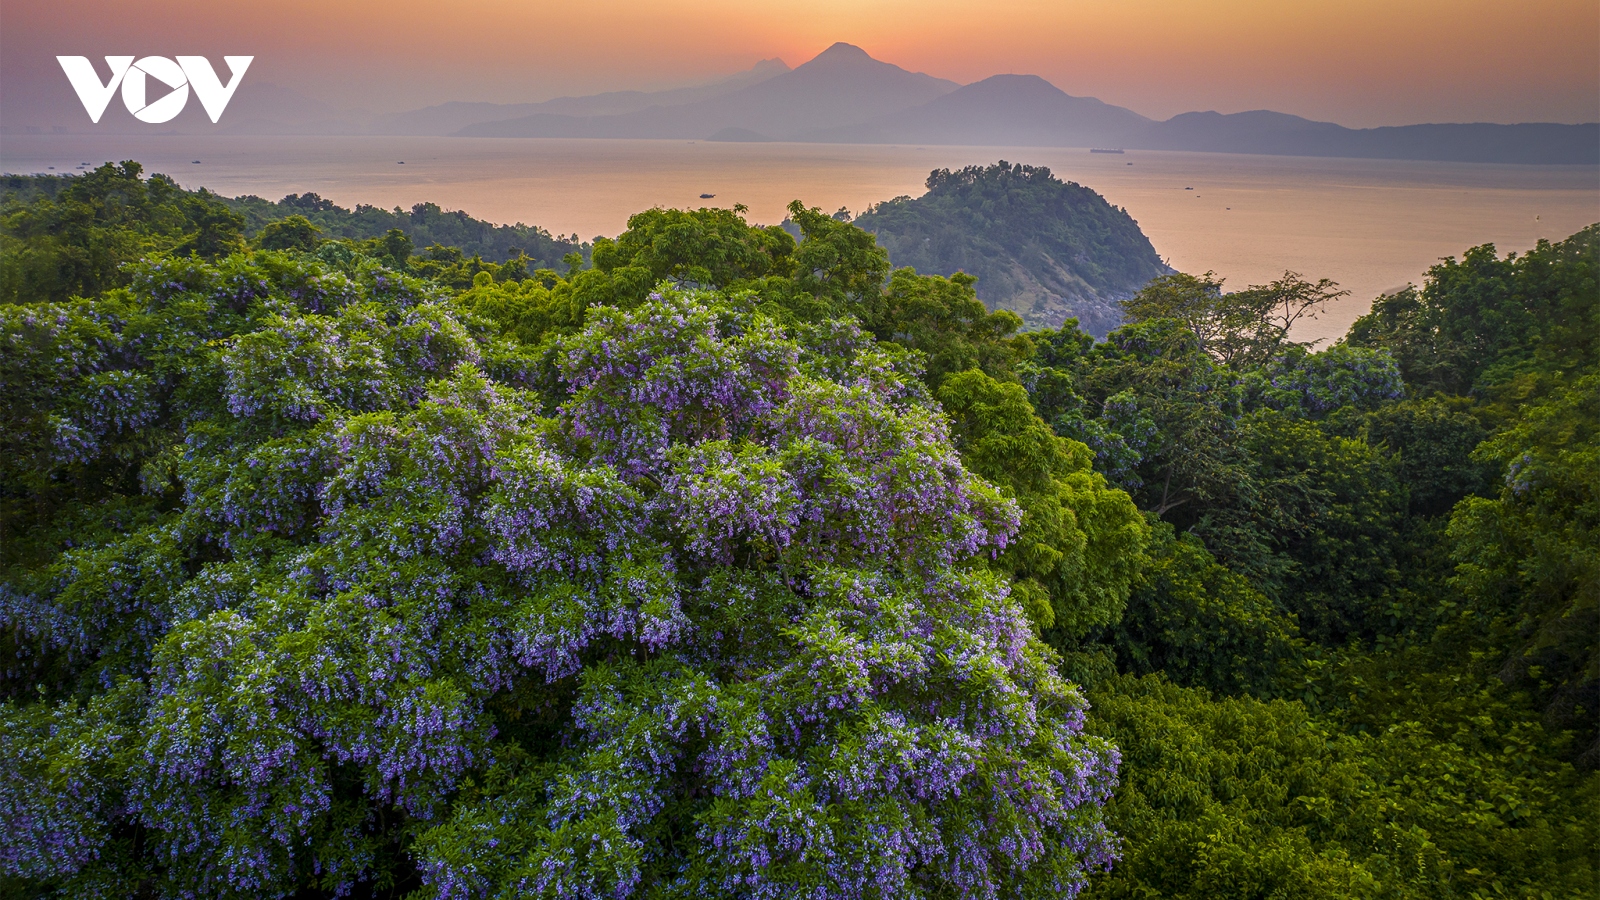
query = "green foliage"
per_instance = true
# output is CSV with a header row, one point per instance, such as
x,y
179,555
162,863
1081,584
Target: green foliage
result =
x,y
1340,380
1157,411
1245,798
944,320
396,246
425,225
1246,459
294,233
838,263
1528,560
1082,542
1201,624
705,247
1419,573
718,624
1432,440
329,563
529,309
1482,320
73,238
1041,248
1313,521
1240,329
835,270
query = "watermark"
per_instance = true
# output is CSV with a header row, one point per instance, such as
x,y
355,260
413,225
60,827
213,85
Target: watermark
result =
x,y
133,77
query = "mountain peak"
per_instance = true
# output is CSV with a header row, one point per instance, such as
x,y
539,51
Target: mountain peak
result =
x,y
842,52
841,48
1029,83
774,65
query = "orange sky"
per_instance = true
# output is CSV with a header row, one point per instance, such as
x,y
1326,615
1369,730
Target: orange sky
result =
x,y
1356,62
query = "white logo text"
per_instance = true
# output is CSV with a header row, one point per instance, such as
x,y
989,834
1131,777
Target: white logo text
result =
x,y
133,77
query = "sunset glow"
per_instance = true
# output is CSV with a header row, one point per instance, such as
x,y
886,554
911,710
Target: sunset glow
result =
x,y
1360,63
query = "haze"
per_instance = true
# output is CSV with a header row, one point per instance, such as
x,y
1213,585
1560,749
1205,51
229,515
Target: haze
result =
x,y
1360,63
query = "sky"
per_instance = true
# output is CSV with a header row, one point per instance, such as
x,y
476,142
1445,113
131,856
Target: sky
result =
x,y
1360,63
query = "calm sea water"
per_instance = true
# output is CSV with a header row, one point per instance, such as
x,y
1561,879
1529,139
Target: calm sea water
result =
x,y
1371,225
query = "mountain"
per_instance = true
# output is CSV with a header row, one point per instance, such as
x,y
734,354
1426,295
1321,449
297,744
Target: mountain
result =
x,y
1027,111
448,118
1045,249
846,96
841,86
1275,133
1002,110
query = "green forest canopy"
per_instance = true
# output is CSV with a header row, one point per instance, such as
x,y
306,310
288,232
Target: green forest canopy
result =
x,y
327,568
70,235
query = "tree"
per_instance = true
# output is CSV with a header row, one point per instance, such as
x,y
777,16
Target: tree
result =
x,y
1236,329
1081,544
397,247
837,262
1194,300
945,321
717,626
705,247
1528,559
347,570
75,238
293,233
425,224
1242,459
1482,320
1432,440
1159,406
1340,379
1322,515
218,230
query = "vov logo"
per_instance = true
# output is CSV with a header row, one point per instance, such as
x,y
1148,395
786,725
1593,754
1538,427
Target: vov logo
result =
x,y
134,78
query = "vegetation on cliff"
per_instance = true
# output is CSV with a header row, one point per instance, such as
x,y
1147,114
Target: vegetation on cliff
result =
x,y
1042,248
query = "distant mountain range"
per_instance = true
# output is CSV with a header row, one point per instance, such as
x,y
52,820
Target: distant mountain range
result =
x,y
846,96
841,85
1002,111
449,118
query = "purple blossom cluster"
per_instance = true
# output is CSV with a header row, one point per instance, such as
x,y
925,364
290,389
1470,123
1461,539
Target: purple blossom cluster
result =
x,y
675,372
735,582
857,711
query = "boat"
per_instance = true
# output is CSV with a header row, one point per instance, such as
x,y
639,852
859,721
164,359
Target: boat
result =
x,y
1099,150
707,196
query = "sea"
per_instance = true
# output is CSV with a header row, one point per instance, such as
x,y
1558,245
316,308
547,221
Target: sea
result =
x,y
1373,226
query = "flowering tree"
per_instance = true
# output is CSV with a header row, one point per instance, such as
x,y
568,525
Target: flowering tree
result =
x,y
337,597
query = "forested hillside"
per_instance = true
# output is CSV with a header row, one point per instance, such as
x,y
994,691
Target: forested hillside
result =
x,y
66,235
425,224
1045,249
725,563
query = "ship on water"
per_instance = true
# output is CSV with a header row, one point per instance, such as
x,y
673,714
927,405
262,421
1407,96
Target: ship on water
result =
x,y
1099,150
